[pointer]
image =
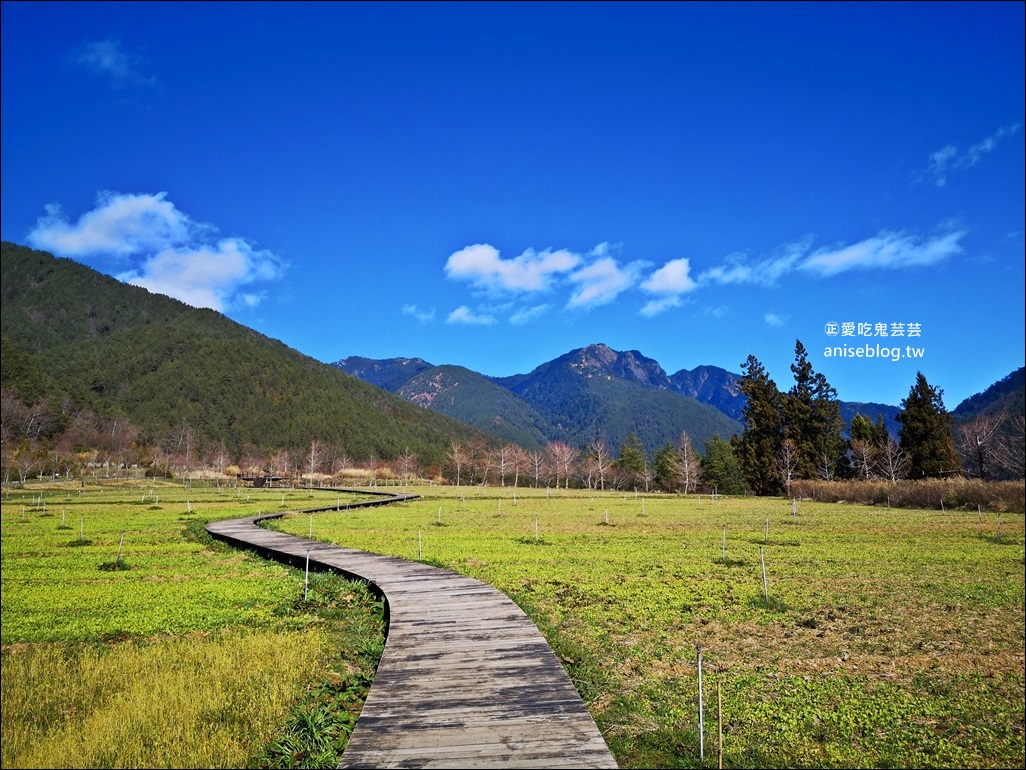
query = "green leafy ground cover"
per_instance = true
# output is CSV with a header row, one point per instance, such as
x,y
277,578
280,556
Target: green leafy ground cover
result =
x,y
189,654
889,637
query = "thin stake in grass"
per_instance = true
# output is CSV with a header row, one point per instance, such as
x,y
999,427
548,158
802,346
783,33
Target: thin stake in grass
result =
x,y
121,543
701,717
719,723
535,529
765,583
306,579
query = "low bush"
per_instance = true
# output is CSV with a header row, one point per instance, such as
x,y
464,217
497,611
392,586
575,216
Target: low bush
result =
x,y
961,493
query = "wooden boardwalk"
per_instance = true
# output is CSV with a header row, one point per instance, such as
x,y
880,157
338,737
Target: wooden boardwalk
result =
x,y
466,680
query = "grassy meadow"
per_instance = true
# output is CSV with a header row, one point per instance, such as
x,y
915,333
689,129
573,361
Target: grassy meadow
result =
x,y
874,637
131,639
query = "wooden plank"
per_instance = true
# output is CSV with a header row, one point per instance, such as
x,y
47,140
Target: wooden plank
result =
x,y
466,680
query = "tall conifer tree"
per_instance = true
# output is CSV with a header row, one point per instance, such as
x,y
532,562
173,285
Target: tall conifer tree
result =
x,y
926,432
763,418
812,420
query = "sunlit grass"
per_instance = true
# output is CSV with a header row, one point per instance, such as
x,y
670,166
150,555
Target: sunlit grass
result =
x,y
889,637
193,701
194,655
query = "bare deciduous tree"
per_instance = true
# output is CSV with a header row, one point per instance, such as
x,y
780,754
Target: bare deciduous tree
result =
x,y
458,458
690,463
893,461
561,457
1011,449
977,443
407,465
537,462
787,462
863,458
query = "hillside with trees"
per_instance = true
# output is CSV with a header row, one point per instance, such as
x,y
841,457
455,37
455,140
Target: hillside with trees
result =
x,y
87,357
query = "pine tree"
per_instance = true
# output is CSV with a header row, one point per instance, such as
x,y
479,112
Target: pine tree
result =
x,y
666,468
812,421
926,432
868,444
763,417
632,463
720,470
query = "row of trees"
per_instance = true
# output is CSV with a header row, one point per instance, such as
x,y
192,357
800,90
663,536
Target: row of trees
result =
x,y
798,434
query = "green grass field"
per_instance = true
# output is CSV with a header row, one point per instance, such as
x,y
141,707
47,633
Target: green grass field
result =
x,y
878,637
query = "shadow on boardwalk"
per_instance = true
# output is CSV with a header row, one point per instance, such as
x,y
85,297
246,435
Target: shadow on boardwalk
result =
x,y
466,680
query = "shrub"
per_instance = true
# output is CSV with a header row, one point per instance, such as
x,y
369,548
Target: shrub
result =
x,y
956,492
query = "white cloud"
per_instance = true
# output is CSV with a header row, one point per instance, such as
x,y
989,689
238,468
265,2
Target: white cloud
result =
x,y
763,273
528,314
948,158
464,315
656,306
601,282
108,59
423,316
482,265
775,319
672,278
121,225
164,249
888,250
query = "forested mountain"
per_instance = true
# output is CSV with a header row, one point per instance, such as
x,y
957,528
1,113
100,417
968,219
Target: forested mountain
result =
x,y
711,385
79,340
474,399
387,374
1006,395
587,395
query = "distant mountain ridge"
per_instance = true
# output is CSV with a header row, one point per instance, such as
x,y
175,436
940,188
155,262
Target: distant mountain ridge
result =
x,y
569,401
586,395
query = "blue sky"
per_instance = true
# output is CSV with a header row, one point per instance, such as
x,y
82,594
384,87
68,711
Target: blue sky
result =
x,y
495,184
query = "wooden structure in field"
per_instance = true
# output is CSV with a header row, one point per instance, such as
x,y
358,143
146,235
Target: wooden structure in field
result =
x,y
466,680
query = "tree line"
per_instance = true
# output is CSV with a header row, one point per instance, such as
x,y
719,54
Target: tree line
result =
x,y
788,436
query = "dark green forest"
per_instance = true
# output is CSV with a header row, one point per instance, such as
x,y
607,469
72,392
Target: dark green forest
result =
x,y
80,346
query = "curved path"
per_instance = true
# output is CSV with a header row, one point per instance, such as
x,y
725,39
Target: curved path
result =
x,y
466,680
